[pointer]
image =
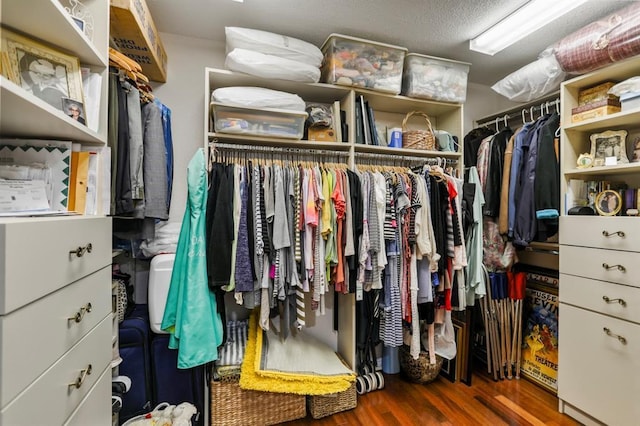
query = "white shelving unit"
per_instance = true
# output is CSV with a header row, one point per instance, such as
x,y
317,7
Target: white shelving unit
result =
x,y
389,110
55,285
599,368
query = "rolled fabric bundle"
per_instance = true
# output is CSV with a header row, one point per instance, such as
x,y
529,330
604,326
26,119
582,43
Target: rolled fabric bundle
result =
x,y
612,38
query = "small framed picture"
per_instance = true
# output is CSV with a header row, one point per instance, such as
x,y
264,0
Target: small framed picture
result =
x,y
44,72
608,203
79,22
611,143
636,150
74,109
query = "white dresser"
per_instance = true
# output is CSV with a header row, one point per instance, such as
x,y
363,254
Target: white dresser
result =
x,y
599,359
55,321
599,365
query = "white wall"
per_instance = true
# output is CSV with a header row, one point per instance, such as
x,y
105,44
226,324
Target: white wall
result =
x,y
481,102
184,94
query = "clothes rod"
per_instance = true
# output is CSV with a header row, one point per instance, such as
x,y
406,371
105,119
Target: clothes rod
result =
x,y
311,151
544,107
407,158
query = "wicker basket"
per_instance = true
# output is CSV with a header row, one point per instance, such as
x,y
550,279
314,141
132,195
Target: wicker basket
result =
x,y
326,405
418,139
419,370
232,406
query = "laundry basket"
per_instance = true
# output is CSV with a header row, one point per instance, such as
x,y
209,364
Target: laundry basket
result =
x,y
419,370
418,139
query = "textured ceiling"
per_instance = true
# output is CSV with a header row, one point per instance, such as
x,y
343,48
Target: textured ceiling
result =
x,y
432,27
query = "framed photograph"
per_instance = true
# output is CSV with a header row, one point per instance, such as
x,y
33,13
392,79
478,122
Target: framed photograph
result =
x,y
79,22
74,109
608,203
44,72
636,150
611,143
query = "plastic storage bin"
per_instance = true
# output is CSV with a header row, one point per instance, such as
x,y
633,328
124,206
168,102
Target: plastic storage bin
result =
x,y
351,61
428,77
276,123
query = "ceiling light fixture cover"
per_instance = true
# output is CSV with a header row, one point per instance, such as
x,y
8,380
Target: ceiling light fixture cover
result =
x,y
524,21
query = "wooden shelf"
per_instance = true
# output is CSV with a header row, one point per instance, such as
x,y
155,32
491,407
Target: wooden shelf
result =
x,y
611,121
53,25
26,116
619,169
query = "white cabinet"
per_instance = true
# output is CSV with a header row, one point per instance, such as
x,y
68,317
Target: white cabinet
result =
x,y
55,275
598,370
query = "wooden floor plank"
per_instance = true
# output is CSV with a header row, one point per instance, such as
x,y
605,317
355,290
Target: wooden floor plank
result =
x,y
442,403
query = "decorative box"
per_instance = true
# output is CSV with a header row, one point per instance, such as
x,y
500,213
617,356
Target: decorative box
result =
x,y
357,62
596,93
434,78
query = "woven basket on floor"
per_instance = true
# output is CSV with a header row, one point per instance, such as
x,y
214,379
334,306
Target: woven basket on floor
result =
x,y
232,406
418,139
419,370
326,405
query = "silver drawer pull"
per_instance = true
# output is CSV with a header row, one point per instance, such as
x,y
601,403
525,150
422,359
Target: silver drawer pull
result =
x,y
618,267
80,380
617,336
611,234
620,301
80,314
80,251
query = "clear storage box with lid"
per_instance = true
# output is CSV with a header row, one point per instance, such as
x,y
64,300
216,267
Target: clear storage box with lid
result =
x,y
351,61
276,123
438,79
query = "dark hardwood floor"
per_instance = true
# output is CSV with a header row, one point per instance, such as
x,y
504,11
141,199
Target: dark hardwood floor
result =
x,y
486,402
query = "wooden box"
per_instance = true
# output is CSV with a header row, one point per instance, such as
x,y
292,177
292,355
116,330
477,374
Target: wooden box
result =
x,y
135,35
594,113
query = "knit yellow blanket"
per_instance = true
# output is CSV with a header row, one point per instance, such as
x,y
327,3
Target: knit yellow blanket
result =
x,y
254,376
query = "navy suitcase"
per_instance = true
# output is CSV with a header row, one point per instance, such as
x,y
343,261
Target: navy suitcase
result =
x,y
134,340
174,385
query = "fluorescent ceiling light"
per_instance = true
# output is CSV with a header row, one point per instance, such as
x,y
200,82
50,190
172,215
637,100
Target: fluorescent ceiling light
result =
x,y
529,18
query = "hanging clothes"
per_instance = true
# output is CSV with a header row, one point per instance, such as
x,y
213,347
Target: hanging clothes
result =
x,y
191,314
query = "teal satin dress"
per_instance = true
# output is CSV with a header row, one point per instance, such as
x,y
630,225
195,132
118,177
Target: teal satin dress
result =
x,y
191,314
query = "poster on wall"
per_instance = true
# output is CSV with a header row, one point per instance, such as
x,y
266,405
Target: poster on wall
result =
x,y
540,336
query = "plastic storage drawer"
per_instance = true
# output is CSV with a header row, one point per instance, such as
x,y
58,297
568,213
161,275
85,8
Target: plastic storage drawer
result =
x,y
276,123
428,77
351,61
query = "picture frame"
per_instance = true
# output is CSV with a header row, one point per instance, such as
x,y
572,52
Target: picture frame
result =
x,y
611,143
636,150
75,110
608,202
43,71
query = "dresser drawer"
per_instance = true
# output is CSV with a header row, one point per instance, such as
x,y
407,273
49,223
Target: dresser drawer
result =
x,y
591,231
35,336
50,400
596,371
617,300
36,258
95,408
606,265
